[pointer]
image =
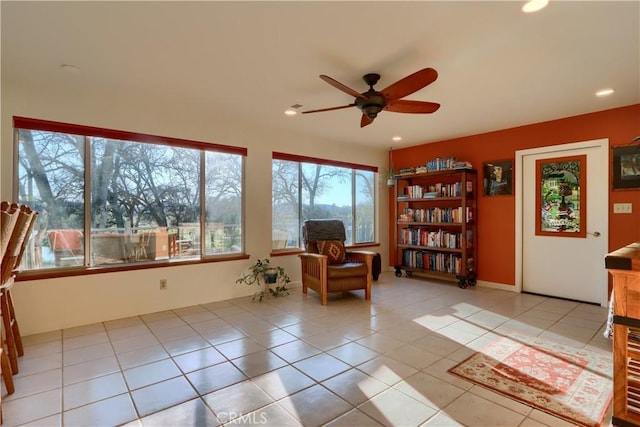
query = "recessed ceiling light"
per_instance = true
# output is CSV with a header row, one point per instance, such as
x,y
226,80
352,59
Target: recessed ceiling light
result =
x,y
293,110
396,138
534,5
605,92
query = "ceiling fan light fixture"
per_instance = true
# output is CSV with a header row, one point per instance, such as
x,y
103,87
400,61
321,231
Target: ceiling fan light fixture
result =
x,y
534,5
371,110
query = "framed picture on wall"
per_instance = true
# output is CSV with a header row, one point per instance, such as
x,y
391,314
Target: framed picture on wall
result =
x,y
626,167
498,177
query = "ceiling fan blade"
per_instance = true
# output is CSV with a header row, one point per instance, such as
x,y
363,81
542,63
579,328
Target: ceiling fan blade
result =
x,y
342,87
364,121
417,107
410,84
328,109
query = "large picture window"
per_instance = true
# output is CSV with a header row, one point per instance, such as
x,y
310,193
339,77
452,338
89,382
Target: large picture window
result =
x,y
109,197
308,188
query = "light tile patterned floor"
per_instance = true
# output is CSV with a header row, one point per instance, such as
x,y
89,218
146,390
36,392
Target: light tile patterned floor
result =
x,y
290,361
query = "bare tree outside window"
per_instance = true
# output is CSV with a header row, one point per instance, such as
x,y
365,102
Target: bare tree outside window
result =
x,y
302,191
144,200
223,231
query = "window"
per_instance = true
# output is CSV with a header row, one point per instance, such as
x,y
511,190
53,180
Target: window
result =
x,y
307,188
138,198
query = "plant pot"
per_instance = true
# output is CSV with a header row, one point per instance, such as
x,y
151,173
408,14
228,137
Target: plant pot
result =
x,y
271,275
391,182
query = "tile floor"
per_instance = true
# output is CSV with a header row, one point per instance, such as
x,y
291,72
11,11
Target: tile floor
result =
x,y
290,361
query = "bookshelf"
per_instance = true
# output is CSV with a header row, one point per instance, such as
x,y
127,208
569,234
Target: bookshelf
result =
x,y
435,231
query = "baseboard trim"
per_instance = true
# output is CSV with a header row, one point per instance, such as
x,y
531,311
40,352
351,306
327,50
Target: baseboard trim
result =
x,y
494,285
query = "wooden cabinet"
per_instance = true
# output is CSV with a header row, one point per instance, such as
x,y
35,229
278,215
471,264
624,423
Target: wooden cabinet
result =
x,y
624,266
435,231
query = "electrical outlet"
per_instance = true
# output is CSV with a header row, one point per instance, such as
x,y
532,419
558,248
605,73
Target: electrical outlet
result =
x,y
163,284
622,208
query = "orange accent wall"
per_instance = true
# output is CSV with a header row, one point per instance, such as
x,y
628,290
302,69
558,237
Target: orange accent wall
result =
x,y
496,215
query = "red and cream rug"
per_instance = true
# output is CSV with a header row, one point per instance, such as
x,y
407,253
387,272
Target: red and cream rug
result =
x,y
570,383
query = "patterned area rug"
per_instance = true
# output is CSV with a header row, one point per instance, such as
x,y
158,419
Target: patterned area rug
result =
x,y
570,383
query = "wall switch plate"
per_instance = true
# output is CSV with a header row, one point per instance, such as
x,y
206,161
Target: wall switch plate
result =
x,y
622,208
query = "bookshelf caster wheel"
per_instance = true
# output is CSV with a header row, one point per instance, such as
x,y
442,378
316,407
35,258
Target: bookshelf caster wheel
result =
x,y
398,272
471,278
462,281
408,273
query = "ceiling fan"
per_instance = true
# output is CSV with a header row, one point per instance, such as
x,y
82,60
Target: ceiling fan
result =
x,y
372,102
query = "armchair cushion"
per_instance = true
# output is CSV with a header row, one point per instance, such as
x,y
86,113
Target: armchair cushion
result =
x,y
349,269
333,249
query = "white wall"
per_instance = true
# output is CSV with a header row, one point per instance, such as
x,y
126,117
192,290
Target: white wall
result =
x,y
44,305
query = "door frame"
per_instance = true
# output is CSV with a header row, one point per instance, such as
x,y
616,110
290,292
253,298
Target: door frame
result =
x,y
602,144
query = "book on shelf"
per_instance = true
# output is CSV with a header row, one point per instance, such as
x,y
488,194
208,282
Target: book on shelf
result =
x,y
415,191
438,214
430,238
435,165
405,171
440,163
432,261
461,165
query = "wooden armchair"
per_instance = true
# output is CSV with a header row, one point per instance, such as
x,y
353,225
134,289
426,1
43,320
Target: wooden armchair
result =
x,y
327,267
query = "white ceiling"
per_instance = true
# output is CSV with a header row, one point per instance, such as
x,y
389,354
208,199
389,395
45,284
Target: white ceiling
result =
x,y
498,67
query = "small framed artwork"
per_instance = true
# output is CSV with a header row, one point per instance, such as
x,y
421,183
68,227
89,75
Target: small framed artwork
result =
x,y
626,167
498,177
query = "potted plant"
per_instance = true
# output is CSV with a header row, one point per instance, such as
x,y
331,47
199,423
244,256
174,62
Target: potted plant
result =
x,y
391,179
387,176
272,279
271,275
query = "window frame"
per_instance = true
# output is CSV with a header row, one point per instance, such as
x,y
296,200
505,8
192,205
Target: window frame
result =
x,y
25,123
354,167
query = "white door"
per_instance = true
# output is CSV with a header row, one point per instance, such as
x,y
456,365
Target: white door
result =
x,y
565,267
